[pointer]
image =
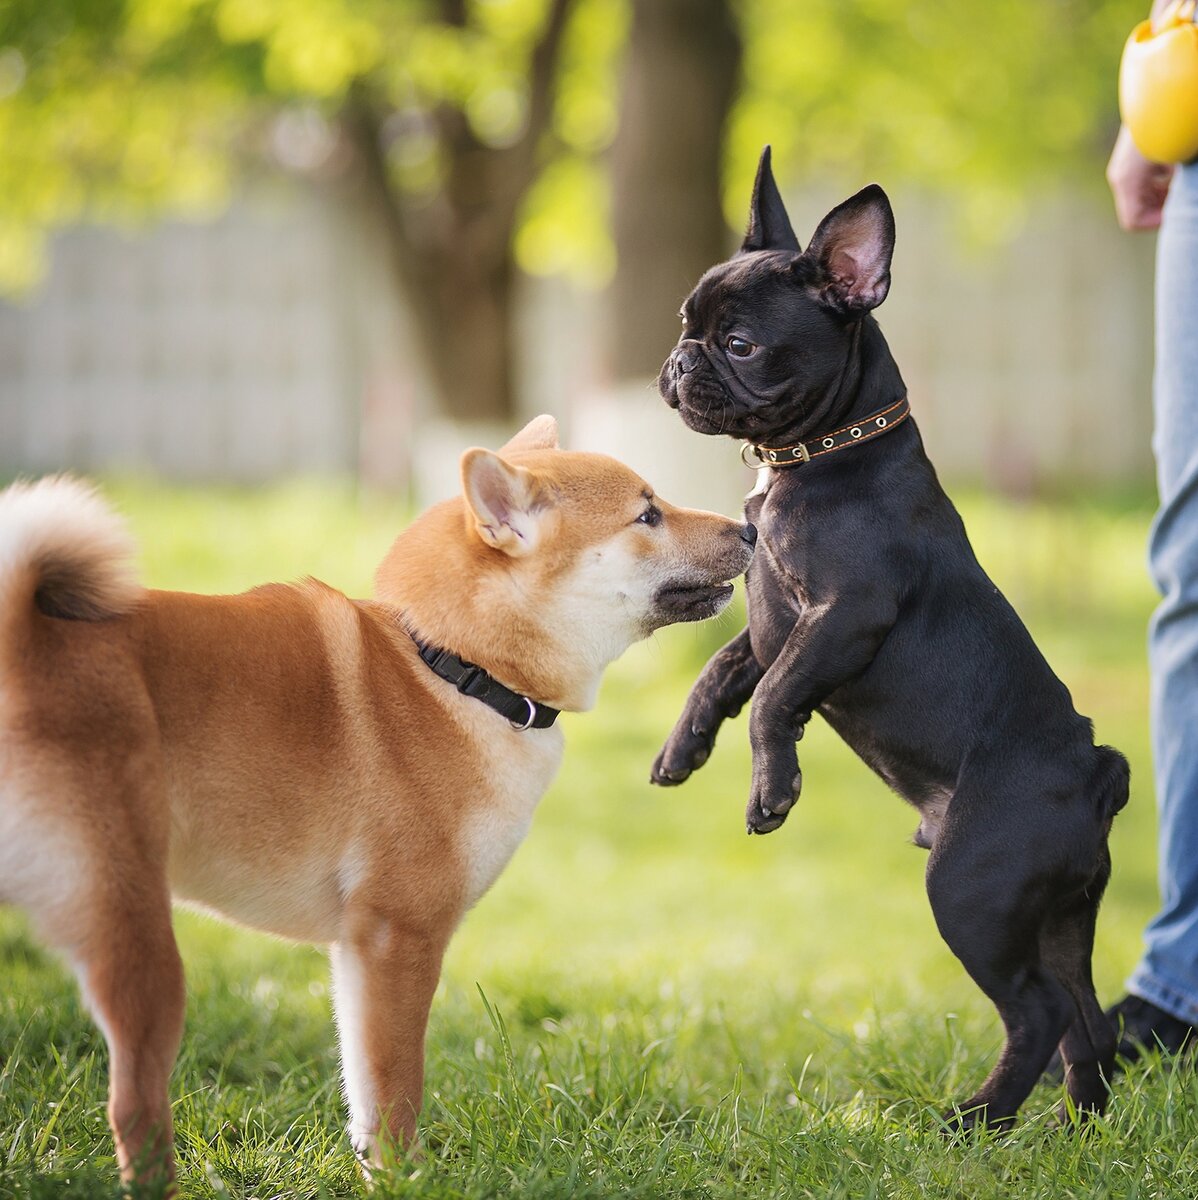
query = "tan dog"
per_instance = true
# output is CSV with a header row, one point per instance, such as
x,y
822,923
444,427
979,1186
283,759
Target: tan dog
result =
x,y
285,759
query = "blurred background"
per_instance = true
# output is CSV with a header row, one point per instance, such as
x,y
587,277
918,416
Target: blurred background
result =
x,y
247,239
268,265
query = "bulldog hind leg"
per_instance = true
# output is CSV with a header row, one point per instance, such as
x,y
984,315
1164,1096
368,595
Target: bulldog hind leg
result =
x,y
1088,1046
992,923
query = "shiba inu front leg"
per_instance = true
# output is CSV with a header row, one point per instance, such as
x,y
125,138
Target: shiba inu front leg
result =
x,y
384,975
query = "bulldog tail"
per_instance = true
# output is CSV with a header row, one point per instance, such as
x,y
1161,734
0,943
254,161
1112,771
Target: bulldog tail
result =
x,y
1110,781
63,552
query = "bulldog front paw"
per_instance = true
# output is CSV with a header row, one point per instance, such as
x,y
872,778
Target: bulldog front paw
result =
x,y
768,806
683,754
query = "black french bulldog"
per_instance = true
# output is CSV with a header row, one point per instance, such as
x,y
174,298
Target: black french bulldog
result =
x,y
866,604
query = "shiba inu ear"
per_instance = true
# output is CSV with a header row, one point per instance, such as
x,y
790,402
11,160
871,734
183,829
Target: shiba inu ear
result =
x,y
506,503
539,434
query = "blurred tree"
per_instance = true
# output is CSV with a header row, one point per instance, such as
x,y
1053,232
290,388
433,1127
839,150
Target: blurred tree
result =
x,y
990,102
110,109
680,77
479,125
452,244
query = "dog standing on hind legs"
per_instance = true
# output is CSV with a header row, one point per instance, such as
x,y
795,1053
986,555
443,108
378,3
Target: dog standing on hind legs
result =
x,y
867,605
355,773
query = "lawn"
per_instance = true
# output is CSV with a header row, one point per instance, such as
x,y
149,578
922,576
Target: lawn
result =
x,y
648,1003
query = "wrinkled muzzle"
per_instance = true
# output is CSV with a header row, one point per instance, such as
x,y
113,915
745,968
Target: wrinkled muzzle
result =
x,y
689,383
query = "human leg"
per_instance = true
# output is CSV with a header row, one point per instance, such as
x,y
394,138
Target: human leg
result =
x,y
1167,975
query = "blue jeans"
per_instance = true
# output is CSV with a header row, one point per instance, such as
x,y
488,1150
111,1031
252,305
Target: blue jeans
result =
x,y
1167,975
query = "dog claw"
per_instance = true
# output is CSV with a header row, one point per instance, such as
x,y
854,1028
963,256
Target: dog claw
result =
x,y
688,755
664,778
762,820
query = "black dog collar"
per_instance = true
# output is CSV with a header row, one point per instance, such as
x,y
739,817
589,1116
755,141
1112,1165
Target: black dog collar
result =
x,y
851,435
473,681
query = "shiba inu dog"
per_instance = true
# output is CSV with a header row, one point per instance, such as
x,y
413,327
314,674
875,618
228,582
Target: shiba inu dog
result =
x,y
349,772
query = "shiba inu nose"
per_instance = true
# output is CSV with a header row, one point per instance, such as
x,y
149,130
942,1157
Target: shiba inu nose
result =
x,y
748,533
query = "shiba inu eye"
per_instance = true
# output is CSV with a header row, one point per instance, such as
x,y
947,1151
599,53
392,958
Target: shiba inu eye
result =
x,y
739,347
651,516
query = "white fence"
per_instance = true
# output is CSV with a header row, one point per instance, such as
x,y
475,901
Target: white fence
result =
x,y
269,342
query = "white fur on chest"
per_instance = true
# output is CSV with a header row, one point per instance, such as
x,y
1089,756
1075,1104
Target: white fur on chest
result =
x,y
517,770
762,484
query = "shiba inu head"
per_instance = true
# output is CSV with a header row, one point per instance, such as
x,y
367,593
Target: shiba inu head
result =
x,y
553,562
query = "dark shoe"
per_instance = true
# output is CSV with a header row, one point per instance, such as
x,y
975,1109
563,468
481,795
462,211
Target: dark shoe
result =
x,y
1141,1028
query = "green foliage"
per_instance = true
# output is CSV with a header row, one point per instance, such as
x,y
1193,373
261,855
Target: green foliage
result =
x,y
115,109
91,129
563,230
667,1008
989,102
563,226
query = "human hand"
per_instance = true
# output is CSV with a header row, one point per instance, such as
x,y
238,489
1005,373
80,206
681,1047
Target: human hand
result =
x,y
1138,184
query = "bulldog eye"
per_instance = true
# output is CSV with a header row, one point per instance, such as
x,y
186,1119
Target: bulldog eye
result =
x,y
738,347
651,516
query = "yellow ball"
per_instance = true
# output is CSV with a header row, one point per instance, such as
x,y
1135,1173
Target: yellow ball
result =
x,y
1158,86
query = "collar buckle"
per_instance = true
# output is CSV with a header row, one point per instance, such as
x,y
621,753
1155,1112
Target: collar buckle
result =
x,y
451,668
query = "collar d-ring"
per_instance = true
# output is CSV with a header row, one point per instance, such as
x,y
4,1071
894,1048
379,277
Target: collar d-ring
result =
x,y
532,716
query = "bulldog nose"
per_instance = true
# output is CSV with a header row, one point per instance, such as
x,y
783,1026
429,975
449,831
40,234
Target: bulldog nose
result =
x,y
748,534
687,357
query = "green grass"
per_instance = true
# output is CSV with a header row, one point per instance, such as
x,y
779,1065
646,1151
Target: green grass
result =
x,y
648,1003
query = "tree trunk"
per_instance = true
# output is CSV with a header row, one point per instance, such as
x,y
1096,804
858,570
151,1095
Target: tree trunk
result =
x,y
680,77
455,267
452,253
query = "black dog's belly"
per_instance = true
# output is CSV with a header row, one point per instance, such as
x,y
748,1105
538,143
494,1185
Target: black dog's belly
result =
x,y
957,678
910,764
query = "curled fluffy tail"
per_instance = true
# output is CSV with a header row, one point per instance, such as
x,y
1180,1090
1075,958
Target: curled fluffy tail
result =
x,y
63,550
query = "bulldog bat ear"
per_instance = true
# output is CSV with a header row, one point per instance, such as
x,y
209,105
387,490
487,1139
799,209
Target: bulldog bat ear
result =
x,y
852,249
506,504
769,226
539,434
